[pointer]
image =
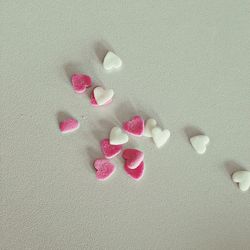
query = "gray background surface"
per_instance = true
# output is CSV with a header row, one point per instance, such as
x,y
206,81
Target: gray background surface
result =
x,y
186,63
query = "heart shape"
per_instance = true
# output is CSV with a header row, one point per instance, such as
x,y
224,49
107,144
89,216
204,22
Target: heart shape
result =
x,y
104,169
148,126
199,143
117,137
103,96
136,173
80,82
111,61
243,178
109,150
93,100
160,137
69,125
133,157
135,126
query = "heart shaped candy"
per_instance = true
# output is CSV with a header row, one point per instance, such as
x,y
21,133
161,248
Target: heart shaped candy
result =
x,y
117,137
103,96
104,169
109,150
93,100
149,125
133,157
199,143
69,125
243,178
160,137
80,82
111,61
135,126
136,173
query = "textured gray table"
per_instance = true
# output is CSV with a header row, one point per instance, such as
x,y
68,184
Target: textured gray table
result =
x,y
186,63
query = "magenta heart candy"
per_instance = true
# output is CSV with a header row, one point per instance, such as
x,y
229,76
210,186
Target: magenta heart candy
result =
x,y
133,157
136,173
109,150
104,169
69,125
135,126
93,100
80,82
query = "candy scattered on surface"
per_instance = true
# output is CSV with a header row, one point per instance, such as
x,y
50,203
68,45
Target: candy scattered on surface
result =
x,y
80,82
136,173
109,150
200,143
149,125
102,96
135,126
160,137
117,136
243,179
104,169
111,61
69,125
133,157
134,164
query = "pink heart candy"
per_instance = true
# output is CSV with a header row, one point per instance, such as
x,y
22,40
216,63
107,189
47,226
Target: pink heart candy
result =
x,y
136,173
69,125
135,126
80,82
133,157
109,150
104,169
93,100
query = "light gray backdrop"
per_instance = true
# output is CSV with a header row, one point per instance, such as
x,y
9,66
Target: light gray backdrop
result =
x,y
186,63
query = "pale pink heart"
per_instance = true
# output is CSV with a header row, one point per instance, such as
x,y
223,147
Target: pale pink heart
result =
x,y
104,169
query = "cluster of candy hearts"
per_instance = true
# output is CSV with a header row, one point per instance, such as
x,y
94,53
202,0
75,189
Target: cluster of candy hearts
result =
x,y
112,146
98,97
134,165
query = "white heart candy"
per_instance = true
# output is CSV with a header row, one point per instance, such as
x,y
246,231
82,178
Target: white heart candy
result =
x,y
160,137
243,178
200,143
102,96
117,136
149,125
111,60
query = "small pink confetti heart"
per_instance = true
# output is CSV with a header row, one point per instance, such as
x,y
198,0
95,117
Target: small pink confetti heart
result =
x,y
69,125
104,169
109,150
135,126
80,82
136,173
133,157
93,101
